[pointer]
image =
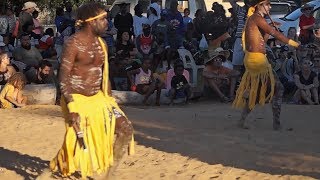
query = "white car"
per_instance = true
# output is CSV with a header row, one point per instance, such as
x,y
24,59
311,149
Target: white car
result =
x,y
280,9
292,19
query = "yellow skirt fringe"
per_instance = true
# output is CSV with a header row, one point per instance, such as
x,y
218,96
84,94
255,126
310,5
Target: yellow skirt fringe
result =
x,y
98,126
257,76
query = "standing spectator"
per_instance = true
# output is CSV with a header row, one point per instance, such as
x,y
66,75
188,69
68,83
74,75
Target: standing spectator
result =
x,y
12,23
306,24
6,71
4,23
59,19
11,95
176,20
186,18
65,32
199,24
307,82
27,54
108,36
40,75
25,16
154,11
143,82
37,30
69,14
219,25
138,20
123,21
238,54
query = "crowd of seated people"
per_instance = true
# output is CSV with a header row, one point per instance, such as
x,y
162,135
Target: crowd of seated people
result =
x,y
144,53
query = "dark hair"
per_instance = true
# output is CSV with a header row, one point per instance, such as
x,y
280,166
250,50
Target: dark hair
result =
x,y
88,10
59,11
198,12
35,13
24,34
44,63
26,26
49,32
186,9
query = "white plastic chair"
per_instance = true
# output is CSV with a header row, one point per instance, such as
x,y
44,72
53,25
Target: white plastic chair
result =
x,y
190,64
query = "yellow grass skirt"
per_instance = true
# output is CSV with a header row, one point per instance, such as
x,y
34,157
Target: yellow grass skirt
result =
x,y
98,126
258,76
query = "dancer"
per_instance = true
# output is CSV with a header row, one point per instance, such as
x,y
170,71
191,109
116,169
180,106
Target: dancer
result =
x,y
92,115
259,84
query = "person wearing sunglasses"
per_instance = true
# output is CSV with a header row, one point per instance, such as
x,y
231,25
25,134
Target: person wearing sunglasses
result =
x,y
306,24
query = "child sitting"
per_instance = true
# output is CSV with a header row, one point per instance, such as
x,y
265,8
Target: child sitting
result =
x,y
144,42
180,87
144,83
11,95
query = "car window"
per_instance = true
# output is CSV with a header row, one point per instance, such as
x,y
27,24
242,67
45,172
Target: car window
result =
x,y
277,9
294,15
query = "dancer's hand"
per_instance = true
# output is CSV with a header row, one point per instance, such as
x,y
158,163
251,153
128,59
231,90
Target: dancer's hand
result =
x,y
75,121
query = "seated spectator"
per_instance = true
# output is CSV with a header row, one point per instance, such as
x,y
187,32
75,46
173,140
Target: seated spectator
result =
x,y
288,66
6,71
226,62
171,73
11,95
219,78
143,82
41,75
160,51
307,82
27,54
124,47
190,43
145,43
8,48
180,87
46,45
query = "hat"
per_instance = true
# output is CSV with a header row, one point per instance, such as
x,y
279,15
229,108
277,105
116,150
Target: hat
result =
x,y
29,5
1,42
216,53
306,6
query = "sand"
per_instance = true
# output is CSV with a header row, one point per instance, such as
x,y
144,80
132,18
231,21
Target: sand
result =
x,y
197,141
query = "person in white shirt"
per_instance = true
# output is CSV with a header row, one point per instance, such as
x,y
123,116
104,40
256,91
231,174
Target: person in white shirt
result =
x,y
138,20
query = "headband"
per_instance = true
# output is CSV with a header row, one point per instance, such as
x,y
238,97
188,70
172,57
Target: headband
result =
x,y
79,21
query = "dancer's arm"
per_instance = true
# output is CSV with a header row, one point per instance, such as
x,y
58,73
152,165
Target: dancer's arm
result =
x,y
262,23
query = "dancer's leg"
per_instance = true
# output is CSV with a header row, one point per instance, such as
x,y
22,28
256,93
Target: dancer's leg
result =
x,y
245,112
276,103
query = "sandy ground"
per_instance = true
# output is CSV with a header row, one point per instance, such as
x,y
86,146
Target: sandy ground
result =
x,y
197,141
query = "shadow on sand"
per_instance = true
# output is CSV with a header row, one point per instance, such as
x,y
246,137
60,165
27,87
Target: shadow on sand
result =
x,y
214,138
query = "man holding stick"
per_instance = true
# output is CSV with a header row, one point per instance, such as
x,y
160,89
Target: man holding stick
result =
x,y
92,115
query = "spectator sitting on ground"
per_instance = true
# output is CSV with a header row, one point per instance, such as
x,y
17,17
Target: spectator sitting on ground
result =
x,y
6,70
180,87
143,82
41,75
11,95
27,54
171,73
145,43
46,45
226,62
307,82
220,78
8,48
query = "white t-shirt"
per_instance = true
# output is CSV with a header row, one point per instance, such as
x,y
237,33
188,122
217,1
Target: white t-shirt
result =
x,y
137,24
